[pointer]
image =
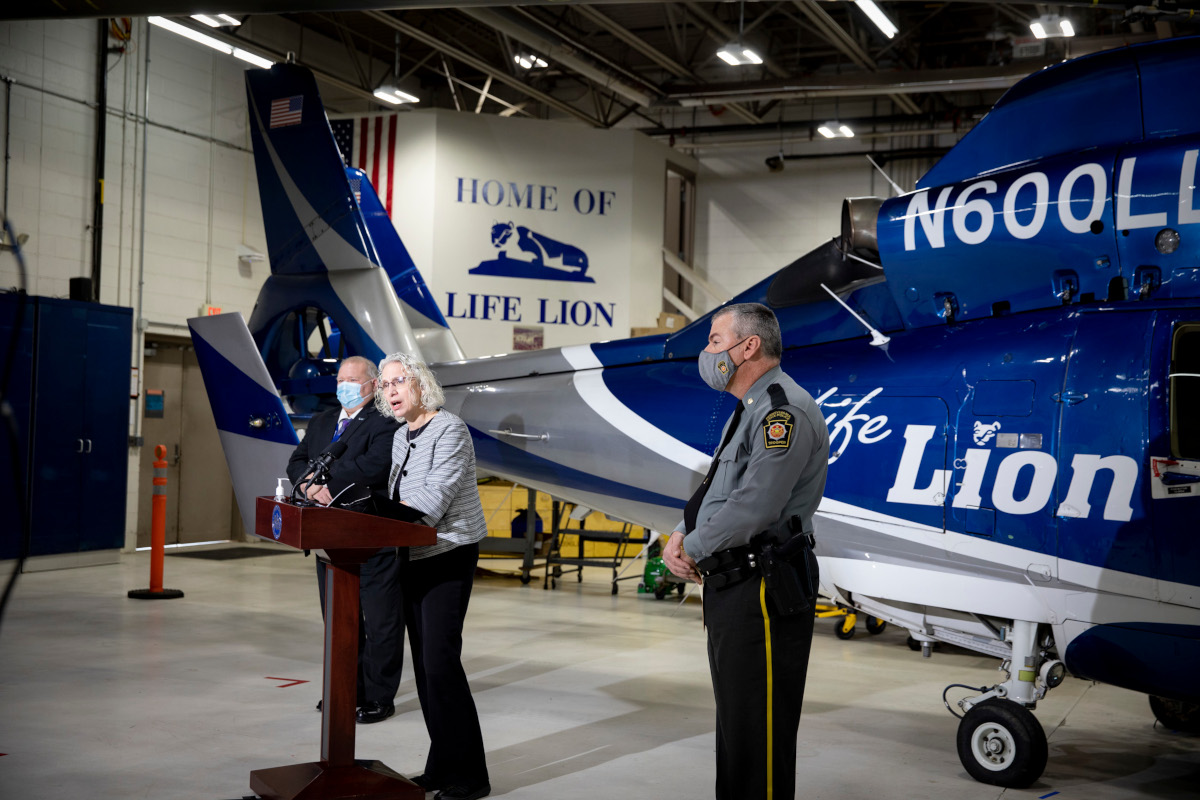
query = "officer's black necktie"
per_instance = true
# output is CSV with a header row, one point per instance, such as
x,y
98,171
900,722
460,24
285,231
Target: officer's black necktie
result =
x,y
693,505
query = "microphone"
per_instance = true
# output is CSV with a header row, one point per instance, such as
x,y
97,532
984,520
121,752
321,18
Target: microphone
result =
x,y
319,466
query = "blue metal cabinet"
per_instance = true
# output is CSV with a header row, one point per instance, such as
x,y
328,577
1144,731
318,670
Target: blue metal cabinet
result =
x,y
76,395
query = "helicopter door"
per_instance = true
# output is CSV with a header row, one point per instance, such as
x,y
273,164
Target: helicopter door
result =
x,y
1174,468
1102,499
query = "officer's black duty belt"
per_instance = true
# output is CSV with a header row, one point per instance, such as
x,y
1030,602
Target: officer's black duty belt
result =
x,y
731,567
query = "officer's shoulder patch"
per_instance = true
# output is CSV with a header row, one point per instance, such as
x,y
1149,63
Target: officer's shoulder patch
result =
x,y
777,428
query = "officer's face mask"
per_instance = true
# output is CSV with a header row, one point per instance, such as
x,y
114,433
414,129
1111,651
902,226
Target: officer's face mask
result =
x,y
349,394
717,368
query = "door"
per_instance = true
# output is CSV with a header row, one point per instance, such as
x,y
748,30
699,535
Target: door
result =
x,y
58,442
1174,472
1103,520
199,492
104,488
162,423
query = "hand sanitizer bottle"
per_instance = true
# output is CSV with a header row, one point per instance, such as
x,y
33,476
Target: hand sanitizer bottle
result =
x,y
280,494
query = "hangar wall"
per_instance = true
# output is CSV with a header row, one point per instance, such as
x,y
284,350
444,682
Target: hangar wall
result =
x,y
201,200
482,202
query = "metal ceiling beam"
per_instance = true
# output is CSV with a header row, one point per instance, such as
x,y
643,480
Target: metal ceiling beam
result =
x,y
279,58
777,141
85,9
860,85
828,27
636,42
559,50
721,33
482,66
90,9
654,54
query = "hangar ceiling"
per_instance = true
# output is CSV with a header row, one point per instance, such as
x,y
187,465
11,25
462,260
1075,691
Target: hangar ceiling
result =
x,y
654,66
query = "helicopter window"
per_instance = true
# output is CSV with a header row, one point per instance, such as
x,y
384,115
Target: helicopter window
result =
x,y
800,282
1184,396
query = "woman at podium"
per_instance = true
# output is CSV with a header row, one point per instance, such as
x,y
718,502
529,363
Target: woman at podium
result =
x,y
433,471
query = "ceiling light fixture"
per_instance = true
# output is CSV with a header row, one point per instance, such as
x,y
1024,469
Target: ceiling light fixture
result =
x,y
876,15
529,61
252,58
736,54
217,20
390,94
836,130
1050,26
208,41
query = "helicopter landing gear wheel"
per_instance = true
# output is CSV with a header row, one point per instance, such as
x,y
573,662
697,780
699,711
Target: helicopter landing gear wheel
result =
x,y
876,626
841,628
1176,715
1002,743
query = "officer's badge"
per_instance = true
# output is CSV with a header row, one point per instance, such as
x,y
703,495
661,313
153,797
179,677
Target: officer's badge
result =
x,y
777,429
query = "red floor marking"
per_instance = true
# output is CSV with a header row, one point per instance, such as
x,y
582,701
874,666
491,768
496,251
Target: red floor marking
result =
x,y
294,682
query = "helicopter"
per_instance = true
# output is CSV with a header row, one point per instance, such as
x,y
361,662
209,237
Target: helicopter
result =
x,y
1008,359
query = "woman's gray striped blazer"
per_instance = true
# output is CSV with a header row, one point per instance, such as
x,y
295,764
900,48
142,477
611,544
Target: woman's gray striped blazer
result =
x,y
435,474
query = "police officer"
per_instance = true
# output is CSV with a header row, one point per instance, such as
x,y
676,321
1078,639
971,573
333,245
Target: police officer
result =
x,y
747,536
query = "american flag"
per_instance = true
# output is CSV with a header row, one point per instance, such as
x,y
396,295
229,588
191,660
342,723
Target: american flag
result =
x,y
369,143
286,111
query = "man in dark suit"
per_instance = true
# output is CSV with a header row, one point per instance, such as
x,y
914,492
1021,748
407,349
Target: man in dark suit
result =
x,y
368,436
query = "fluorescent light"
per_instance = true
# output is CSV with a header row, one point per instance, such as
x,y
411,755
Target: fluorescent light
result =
x,y
530,61
252,58
834,130
728,57
208,41
217,21
1049,26
735,55
877,16
188,33
390,94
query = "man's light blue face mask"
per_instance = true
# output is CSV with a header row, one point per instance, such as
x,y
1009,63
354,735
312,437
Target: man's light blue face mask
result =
x,y
349,394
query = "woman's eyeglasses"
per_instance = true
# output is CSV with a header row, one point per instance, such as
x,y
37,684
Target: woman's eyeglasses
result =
x,y
397,382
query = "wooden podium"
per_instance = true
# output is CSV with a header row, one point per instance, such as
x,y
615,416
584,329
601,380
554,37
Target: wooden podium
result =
x,y
346,539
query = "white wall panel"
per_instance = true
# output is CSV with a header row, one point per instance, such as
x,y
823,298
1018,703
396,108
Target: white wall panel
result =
x,y
752,222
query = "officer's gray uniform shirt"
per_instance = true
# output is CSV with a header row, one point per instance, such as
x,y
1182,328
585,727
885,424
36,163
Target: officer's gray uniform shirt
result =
x,y
772,468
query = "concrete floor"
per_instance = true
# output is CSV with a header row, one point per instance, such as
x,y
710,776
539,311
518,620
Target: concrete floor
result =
x,y
581,695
